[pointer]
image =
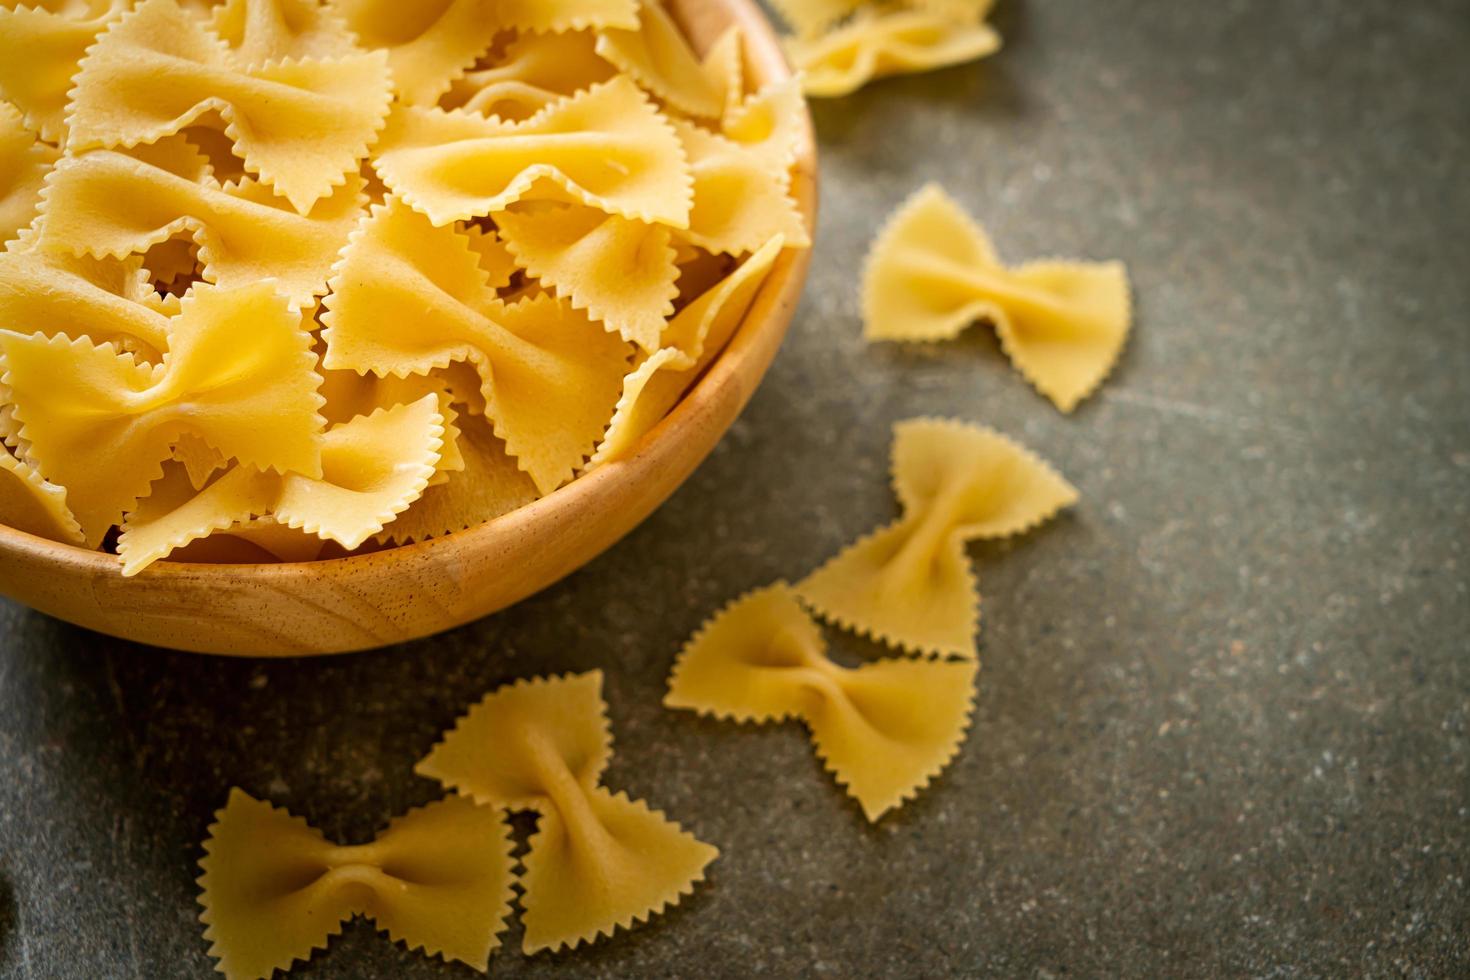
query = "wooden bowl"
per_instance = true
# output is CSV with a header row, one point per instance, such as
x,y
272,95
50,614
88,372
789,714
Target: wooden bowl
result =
x,y
403,593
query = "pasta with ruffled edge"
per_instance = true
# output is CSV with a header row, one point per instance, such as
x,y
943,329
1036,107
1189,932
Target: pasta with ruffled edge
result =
x,y
274,890
39,50
409,298
884,729
932,272
158,70
598,860
100,424
878,42
373,467
24,163
909,583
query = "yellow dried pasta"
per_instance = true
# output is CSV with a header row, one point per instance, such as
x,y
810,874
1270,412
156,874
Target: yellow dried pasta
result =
x,y
534,71
411,298
275,891
99,423
30,504
608,147
598,860
932,272
885,729
41,42
300,125
431,44
693,339
909,583
373,467
24,162
657,56
107,204
878,42
562,192
621,271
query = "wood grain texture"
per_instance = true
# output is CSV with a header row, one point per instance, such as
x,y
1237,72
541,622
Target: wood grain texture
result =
x,y
403,593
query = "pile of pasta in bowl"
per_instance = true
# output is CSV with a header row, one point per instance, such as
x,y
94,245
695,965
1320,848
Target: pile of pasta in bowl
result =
x,y
284,279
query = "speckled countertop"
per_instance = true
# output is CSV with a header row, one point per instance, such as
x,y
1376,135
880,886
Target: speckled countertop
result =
x,y
1222,727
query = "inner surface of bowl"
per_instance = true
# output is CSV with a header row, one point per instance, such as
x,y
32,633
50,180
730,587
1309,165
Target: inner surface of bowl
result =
x,y
367,600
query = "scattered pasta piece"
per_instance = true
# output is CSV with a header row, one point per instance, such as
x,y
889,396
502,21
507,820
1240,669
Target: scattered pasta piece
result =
x,y
881,42
885,729
106,204
694,338
30,504
620,271
535,71
301,125
274,890
373,467
608,148
597,860
24,161
99,424
658,57
40,45
932,272
910,584
410,298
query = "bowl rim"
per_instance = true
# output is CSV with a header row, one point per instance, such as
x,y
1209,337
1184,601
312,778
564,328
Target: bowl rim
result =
x,y
763,52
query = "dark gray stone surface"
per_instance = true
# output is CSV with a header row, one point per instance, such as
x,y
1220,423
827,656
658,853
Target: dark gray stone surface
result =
x,y
1222,728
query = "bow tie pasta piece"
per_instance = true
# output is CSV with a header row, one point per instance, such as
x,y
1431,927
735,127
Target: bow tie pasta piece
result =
x,y
108,204
24,161
431,44
607,147
932,272
691,342
301,125
490,485
620,271
658,57
99,423
262,31
30,504
739,201
597,860
274,890
535,71
769,125
885,729
910,584
102,300
877,44
498,264
409,298
349,395
41,44
373,467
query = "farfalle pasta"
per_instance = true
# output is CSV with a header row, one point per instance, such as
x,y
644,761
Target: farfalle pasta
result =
x,y
909,583
885,39
24,163
885,729
99,423
274,890
598,860
932,272
481,246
